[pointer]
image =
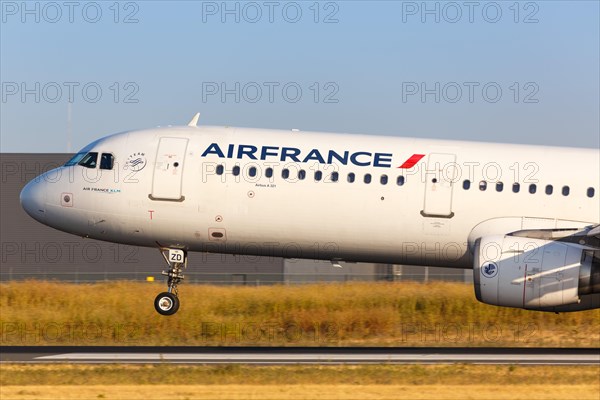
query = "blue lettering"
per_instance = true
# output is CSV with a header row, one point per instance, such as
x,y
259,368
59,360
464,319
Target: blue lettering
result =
x,y
248,150
213,149
314,155
359,158
354,157
332,154
264,152
382,160
290,152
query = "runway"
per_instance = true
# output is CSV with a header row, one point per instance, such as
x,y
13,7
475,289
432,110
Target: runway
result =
x,y
297,355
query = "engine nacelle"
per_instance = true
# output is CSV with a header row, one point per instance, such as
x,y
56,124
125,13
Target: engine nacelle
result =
x,y
536,274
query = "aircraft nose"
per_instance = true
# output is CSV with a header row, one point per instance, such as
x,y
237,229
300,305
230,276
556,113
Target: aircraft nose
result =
x,y
33,199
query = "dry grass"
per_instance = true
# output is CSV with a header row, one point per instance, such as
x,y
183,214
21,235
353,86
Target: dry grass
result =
x,y
296,392
233,374
64,381
386,314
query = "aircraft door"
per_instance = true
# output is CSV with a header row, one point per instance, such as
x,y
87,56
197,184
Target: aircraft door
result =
x,y
168,169
439,176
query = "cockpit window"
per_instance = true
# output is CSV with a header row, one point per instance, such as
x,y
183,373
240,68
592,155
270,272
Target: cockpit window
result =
x,y
106,161
82,153
75,159
89,160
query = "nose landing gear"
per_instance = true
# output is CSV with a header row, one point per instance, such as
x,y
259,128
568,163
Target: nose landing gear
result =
x,y
167,303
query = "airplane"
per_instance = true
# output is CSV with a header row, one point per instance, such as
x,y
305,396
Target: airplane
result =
x,y
524,218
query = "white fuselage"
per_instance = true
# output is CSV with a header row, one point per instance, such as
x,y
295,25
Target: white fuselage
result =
x,y
165,189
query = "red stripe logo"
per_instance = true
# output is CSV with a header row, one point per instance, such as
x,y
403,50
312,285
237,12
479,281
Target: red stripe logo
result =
x,y
415,158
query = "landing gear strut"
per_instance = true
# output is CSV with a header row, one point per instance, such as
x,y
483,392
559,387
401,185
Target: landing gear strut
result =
x,y
167,303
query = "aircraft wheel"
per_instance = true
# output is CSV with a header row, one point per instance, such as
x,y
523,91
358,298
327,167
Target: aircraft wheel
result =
x,y
166,303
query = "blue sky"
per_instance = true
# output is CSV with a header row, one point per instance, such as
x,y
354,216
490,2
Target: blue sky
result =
x,y
522,72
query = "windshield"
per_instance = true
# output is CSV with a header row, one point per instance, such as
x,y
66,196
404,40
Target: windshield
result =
x,y
81,153
89,160
75,159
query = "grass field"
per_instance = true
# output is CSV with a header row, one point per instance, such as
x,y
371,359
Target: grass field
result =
x,y
61,381
363,314
296,392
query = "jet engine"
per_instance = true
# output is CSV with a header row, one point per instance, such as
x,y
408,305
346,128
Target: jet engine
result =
x,y
536,274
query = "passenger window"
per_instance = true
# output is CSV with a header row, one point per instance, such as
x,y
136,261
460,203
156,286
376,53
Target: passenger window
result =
x,y
285,173
383,180
590,192
335,176
549,189
367,178
269,172
499,186
532,188
565,191
318,175
301,174
106,161
516,187
400,180
252,172
466,184
351,177
89,160
236,170
220,169
482,186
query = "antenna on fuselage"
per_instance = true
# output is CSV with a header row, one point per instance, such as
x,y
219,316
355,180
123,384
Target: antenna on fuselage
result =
x,y
194,121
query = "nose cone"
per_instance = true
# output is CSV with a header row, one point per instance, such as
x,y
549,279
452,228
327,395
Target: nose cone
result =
x,y
33,199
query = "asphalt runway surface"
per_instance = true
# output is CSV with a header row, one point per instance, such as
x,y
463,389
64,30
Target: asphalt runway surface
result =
x,y
298,355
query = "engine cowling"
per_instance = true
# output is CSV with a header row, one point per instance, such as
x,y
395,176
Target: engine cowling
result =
x,y
536,274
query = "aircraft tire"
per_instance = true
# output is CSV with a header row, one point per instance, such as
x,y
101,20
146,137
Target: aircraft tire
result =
x,y
166,303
